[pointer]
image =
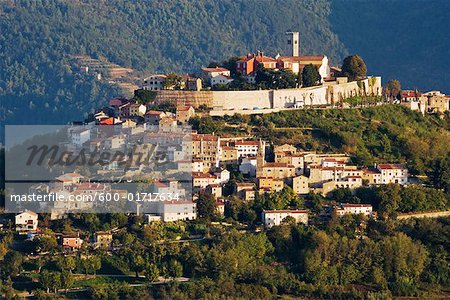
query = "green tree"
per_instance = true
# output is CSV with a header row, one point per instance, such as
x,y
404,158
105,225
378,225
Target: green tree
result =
x,y
12,263
66,280
151,272
440,173
174,269
46,280
94,263
173,81
137,262
393,89
310,76
354,67
206,207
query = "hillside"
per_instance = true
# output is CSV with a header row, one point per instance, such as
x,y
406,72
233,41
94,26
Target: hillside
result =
x,y
405,40
389,133
38,40
40,79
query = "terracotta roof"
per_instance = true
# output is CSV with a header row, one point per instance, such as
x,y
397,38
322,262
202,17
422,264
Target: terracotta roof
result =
x,y
304,211
246,143
242,184
160,184
217,69
204,137
301,58
215,185
183,108
277,165
29,212
225,76
202,175
391,166
154,112
90,186
109,121
178,202
355,205
410,93
312,57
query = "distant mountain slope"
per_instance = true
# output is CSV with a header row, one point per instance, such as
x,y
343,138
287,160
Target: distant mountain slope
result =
x,y
38,79
405,40
39,82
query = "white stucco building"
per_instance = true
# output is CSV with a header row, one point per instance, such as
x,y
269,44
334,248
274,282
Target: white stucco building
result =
x,y
26,221
393,173
275,217
354,209
154,82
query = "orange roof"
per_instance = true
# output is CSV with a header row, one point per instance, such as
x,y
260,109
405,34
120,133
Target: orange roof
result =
x,y
202,175
355,205
204,137
178,202
109,121
216,69
154,112
302,58
297,211
411,93
277,165
247,143
161,184
183,108
244,184
90,186
391,166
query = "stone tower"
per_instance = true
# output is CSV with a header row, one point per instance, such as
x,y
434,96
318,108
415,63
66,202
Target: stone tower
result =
x,y
292,44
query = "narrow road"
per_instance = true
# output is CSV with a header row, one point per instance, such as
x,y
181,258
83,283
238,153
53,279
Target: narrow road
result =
x,y
436,214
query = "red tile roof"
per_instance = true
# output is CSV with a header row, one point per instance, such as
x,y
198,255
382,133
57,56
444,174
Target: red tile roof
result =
x,y
410,93
391,166
154,112
304,211
87,186
183,108
216,69
247,143
355,205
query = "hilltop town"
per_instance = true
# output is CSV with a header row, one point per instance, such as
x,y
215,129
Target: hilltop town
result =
x,y
264,196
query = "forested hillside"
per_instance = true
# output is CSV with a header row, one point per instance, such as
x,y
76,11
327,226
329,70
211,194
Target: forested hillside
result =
x,y
38,82
405,40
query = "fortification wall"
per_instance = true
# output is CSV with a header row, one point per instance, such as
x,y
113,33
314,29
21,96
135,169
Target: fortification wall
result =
x,y
242,99
188,98
337,92
300,97
271,99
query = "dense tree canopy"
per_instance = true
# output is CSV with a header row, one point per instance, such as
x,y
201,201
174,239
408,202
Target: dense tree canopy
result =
x,y
354,67
310,76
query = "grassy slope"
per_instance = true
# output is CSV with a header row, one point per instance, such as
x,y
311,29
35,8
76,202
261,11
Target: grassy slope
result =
x,y
370,135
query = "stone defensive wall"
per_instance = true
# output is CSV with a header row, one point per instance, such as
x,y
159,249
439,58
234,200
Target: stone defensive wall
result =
x,y
328,93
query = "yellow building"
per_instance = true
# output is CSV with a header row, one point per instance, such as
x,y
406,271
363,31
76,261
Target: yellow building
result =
x,y
276,170
229,155
300,184
206,147
184,113
103,239
350,182
270,184
215,190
